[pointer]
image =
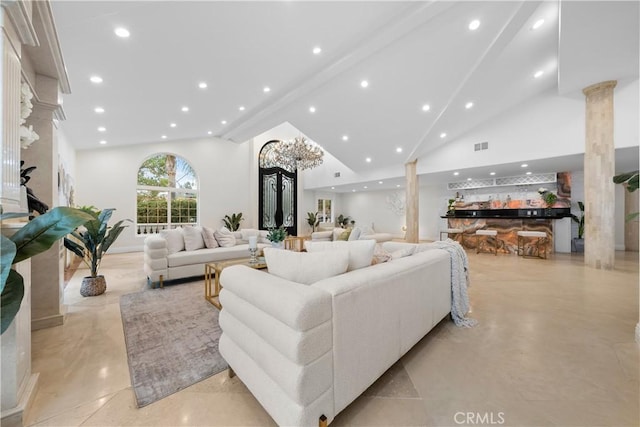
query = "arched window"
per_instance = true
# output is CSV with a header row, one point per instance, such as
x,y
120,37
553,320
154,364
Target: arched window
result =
x,y
167,194
277,192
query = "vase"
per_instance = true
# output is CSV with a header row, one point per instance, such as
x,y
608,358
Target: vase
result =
x,y
93,286
278,245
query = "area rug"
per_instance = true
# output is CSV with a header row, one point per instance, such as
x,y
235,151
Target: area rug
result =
x,y
172,337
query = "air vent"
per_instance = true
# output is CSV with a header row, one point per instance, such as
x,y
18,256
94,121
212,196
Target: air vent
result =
x,y
481,146
336,175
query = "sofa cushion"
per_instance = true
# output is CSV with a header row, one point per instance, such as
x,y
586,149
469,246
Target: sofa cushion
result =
x,y
174,238
401,253
360,251
202,256
324,236
306,268
192,238
355,234
209,239
225,238
155,242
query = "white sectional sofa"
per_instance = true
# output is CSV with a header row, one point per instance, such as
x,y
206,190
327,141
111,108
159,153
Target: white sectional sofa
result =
x,y
164,262
307,351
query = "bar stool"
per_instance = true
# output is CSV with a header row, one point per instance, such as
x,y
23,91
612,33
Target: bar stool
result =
x,y
541,240
493,233
451,231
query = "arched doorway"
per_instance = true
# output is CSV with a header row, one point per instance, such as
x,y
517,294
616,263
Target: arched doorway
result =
x,y
277,195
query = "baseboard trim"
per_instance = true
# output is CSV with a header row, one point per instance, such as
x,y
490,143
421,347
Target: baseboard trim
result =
x,y
47,322
15,416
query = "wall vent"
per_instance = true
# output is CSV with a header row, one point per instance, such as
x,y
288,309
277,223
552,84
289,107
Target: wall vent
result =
x,y
481,146
336,175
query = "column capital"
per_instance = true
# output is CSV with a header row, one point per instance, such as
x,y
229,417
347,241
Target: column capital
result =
x,y
599,87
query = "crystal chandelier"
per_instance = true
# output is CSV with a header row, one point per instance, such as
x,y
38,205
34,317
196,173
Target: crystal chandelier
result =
x,y
298,154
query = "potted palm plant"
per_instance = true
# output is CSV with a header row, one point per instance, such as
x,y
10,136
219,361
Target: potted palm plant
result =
x,y
35,237
233,222
313,220
577,244
92,241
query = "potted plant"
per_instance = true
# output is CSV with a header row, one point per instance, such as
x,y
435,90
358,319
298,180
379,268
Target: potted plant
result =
x,y
233,222
93,240
577,244
276,236
632,181
313,220
35,237
451,208
344,221
549,199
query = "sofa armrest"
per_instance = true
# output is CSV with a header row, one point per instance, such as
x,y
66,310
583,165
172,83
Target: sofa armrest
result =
x,y
322,236
155,258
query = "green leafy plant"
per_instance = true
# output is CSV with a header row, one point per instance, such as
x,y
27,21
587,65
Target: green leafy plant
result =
x,y
451,206
33,238
95,238
632,180
345,221
313,220
579,221
233,222
548,197
277,235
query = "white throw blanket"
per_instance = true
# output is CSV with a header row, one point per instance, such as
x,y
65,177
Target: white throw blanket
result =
x,y
459,282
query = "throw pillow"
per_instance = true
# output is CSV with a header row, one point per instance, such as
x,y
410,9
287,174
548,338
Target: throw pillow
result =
x,y
175,240
360,251
355,234
262,236
303,267
344,235
192,238
380,255
208,237
337,232
401,253
239,239
225,237
249,232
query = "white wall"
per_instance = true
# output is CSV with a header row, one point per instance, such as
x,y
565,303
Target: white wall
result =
x,y
66,166
106,178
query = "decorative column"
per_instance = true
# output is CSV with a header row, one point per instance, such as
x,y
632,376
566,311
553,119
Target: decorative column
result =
x,y
599,168
412,235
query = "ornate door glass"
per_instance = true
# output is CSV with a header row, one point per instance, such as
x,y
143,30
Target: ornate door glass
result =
x,y
277,199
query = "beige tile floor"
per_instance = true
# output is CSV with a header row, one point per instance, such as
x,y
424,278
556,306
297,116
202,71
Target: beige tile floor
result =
x,y
554,347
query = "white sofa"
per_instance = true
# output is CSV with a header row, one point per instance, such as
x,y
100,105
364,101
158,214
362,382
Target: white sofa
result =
x,y
307,351
161,264
363,233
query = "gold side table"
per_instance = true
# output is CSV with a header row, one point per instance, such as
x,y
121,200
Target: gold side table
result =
x,y
212,270
295,243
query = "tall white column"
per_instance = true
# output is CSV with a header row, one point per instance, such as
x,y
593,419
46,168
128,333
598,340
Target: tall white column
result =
x,y
413,233
599,168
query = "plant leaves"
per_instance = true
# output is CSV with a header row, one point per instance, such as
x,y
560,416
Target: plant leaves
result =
x,y
74,247
7,253
632,216
40,233
624,177
11,299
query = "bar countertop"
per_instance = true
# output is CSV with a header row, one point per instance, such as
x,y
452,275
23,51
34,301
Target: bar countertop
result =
x,y
556,213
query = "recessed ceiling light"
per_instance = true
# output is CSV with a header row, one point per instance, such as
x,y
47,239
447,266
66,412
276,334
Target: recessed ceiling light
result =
x,y
468,105
474,25
354,190
426,107
398,185
172,125
492,173
202,85
364,83
185,109
241,108
528,173
333,188
103,142
95,79
317,50
443,135
312,109
99,110
456,173
537,24
379,182
224,122
399,150
368,159
102,129
468,179
538,74
345,137
122,32
365,187
164,137
266,89
209,132
524,165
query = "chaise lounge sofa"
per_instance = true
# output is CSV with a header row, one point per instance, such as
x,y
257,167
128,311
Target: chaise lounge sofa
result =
x,y
306,351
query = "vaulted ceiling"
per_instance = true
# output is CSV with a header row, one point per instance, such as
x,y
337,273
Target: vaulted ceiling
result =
x,y
422,63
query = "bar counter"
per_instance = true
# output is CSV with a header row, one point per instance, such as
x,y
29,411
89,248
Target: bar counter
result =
x,y
507,222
